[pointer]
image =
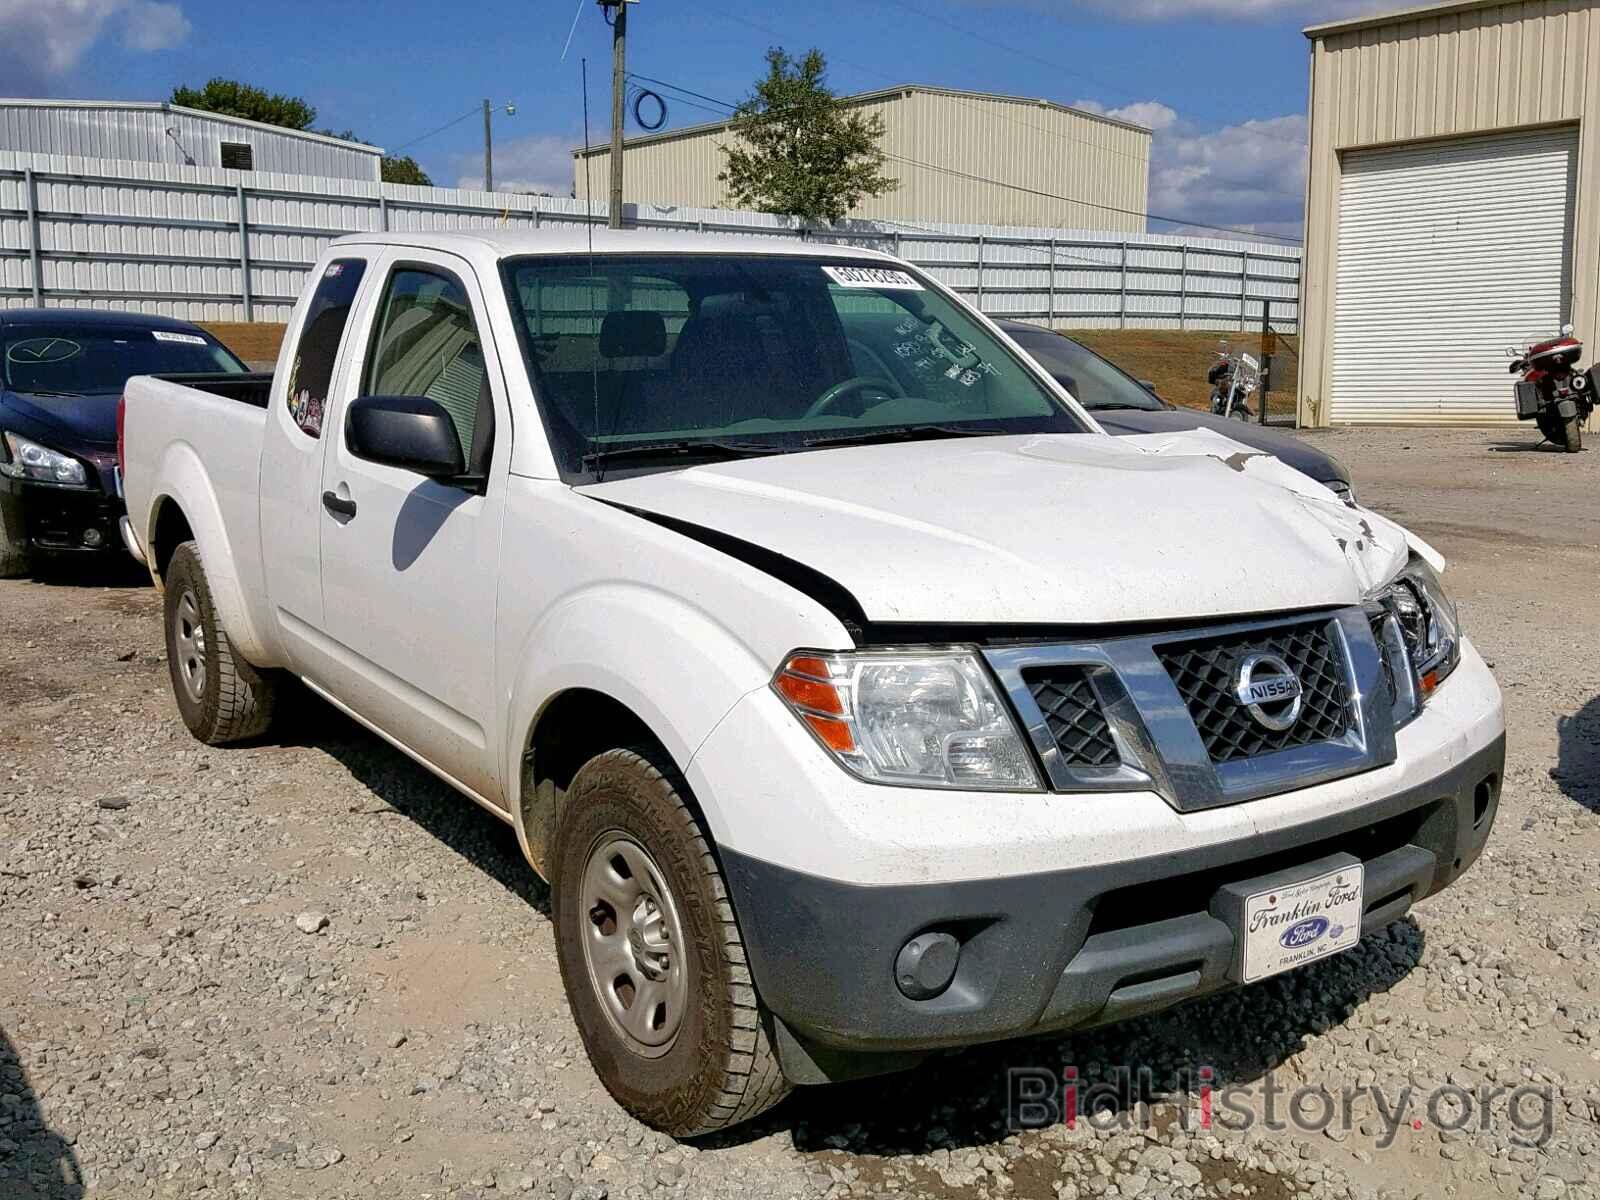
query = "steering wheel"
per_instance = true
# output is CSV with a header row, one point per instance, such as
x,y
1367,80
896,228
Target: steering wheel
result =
x,y
849,387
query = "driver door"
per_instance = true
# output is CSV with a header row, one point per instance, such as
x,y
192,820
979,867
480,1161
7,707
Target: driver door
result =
x,y
409,564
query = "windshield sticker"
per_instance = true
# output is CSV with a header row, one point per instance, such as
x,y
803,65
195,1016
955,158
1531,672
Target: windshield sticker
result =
x,y
43,350
873,277
167,335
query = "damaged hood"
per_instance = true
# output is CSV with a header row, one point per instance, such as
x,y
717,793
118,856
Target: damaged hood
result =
x,y
1043,529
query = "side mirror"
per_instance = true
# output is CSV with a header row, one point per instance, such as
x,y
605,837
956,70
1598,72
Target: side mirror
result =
x,y
1149,385
410,432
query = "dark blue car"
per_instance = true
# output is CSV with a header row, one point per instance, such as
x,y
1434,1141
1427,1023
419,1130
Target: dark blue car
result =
x,y
61,376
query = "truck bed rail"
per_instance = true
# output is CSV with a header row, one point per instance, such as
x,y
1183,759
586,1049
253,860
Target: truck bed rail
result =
x,y
253,388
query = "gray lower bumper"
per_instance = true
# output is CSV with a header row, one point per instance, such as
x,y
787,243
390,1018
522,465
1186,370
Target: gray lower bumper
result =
x,y
1066,949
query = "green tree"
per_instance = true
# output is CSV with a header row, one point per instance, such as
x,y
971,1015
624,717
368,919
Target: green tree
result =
x,y
235,99
800,151
405,170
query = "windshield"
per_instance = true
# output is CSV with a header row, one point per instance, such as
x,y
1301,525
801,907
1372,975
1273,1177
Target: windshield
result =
x,y
741,355
1093,382
81,358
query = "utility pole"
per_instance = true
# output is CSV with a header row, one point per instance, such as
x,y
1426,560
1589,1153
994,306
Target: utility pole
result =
x,y
619,98
488,151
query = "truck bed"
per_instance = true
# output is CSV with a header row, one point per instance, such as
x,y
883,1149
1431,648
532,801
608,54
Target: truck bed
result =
x,y
254,388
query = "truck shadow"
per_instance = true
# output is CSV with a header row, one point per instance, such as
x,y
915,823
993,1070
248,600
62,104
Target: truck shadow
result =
x,y
957,1099
1577,769
960,1100
42,1165
405,789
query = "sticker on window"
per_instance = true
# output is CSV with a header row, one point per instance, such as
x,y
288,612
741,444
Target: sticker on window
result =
x,y
872,277
167,335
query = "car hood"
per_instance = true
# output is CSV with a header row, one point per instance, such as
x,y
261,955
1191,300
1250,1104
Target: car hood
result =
x,y
91,417
1055,529
1315,463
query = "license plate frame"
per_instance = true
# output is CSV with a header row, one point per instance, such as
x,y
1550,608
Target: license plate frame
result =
x,y
1292,918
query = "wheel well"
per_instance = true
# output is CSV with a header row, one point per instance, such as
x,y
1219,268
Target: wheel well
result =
x,y
171,531
574,727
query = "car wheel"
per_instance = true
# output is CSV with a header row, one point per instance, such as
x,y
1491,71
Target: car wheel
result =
x,y
222,698
650,952
15,559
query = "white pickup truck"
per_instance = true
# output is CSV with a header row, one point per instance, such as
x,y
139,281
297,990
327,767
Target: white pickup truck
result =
x,y
856,695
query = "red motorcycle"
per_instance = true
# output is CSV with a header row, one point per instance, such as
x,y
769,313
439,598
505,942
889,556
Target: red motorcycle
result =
x,y
1552,391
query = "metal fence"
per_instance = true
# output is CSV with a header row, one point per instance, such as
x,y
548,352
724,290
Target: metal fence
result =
x,y
213,245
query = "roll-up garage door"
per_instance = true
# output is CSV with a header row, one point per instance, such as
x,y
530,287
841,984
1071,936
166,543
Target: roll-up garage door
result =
x,y
1448,253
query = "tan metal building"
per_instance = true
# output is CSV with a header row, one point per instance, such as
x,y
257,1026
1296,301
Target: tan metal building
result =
x,y
1452,208
964,157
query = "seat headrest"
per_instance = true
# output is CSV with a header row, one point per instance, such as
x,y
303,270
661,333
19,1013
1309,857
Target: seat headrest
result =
x,y
633,335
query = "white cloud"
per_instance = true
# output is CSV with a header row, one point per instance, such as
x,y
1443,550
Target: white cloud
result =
x,y
540,162
1247,176
149,25
40,43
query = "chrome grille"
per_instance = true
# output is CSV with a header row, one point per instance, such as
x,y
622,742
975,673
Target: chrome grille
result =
x,y
1204,672
1073,715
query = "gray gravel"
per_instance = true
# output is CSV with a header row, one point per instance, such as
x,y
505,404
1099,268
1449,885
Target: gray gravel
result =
x,y
307,969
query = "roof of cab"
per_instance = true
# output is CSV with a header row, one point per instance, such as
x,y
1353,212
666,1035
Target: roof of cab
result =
x,y
512,243
92,318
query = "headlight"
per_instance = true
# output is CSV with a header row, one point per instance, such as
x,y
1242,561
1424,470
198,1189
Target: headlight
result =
x,y
1430,627
29,460
923,719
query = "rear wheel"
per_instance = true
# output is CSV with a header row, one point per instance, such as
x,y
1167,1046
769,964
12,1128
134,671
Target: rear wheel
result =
x,y
650,952
221,697
1565,435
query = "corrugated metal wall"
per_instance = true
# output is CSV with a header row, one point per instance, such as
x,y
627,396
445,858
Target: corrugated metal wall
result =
x,y
171,240
952,154
1467,69
139,133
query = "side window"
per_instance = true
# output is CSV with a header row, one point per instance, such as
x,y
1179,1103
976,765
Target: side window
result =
x,y
318,349
426,344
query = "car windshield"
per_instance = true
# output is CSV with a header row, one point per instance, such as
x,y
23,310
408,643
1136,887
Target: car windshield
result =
x,y
649,362
1093,382
83,358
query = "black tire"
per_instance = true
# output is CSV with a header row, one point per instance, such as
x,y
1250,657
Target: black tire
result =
x,y
1563,435
15,554
719,1068
221,697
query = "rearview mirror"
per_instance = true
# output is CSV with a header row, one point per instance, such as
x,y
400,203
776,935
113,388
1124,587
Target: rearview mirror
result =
x,y
410,432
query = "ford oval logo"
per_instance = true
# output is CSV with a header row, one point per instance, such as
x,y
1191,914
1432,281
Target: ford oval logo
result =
x,y
1304,933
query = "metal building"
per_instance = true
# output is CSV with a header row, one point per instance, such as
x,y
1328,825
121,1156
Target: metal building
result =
x,y
1453,205
135,131
967,157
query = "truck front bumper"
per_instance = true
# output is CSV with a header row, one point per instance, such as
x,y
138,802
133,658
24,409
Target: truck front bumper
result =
x,y
1109,932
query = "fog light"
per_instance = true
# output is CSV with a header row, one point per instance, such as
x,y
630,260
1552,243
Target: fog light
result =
x,y
92,538
926,965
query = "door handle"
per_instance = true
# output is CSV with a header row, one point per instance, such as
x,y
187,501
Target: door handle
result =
x,y
338,506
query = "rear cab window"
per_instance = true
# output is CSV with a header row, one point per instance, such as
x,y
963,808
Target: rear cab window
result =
x,y
317,351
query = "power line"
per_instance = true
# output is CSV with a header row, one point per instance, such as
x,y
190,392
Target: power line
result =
x,y
471,112
1017,187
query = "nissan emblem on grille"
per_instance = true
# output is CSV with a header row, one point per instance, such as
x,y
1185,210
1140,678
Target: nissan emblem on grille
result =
x,y
1266,687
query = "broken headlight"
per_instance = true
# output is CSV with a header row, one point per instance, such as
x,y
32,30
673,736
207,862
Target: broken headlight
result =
x,y
1430,627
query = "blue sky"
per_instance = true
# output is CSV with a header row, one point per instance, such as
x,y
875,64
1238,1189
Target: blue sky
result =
x,y
1222,82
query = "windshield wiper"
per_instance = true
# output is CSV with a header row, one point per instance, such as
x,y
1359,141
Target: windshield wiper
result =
x,y
679,449
1122,408
33,391
898,433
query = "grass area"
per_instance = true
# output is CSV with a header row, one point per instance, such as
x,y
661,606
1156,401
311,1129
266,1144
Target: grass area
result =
x,y
1175,362
253,342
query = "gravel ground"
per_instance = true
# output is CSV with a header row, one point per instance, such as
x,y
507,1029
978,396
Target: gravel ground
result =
x,y
307,969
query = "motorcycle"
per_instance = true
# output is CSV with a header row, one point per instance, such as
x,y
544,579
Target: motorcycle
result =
x,y
1552,391
1234,378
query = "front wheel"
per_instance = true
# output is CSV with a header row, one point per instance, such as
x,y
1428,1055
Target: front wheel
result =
x,y
221,697
650,952
15,559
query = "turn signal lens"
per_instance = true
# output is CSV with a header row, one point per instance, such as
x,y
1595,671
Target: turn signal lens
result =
x,y
919,718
